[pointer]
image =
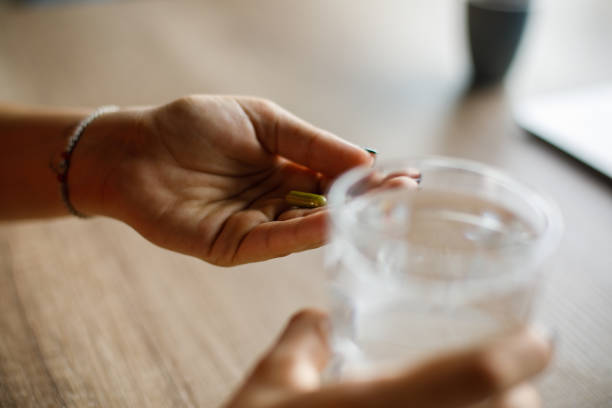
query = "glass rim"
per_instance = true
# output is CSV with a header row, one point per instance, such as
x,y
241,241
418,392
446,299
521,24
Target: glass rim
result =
x,y
547,238
503,6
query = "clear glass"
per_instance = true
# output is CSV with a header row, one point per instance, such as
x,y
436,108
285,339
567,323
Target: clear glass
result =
x,y
413,271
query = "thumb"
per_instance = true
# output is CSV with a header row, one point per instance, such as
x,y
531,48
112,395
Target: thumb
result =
x,y
291,366
299,355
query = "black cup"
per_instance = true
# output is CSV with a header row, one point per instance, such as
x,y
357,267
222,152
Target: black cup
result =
x,y
495,29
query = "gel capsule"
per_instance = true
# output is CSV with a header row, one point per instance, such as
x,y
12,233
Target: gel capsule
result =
x,y
305,200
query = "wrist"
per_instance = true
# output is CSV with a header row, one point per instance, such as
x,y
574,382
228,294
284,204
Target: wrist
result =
x,y
97,162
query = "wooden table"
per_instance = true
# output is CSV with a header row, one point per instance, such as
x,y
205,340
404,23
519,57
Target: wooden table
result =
x,y
92,315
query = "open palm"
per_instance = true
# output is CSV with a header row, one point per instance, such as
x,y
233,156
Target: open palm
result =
x,y
207,176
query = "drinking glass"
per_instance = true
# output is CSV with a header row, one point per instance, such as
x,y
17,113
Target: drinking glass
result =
x,y
417,270
495,28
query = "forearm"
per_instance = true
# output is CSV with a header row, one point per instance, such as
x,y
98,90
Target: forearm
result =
x,y
32,142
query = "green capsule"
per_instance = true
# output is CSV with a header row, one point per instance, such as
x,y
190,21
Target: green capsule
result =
x,y
305,200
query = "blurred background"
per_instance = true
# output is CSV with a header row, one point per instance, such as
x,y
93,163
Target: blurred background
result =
x,y
393,69
395,75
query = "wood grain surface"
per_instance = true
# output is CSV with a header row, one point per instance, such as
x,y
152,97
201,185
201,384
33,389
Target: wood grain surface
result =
x,y
92,315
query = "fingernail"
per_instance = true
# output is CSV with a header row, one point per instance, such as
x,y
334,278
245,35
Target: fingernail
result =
x,y
373,154
415,174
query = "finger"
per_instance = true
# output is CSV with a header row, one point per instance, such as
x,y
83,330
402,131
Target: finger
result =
x,y
299,212
297,177
455,380
282,133
522,396
274,204
409,172
279,238
389,183
377,181
474,375
299,355
295,229
394,183
291,366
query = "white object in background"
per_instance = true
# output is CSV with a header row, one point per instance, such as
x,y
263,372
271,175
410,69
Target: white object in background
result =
x,y
579,122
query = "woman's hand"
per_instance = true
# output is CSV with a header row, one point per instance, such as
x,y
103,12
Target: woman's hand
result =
x,y
207,176
493,375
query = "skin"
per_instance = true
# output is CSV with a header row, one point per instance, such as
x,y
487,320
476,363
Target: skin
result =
x,y
203,175
207,176
491,375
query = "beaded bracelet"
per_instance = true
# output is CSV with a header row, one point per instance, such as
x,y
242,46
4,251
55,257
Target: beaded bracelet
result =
x,y
64,164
